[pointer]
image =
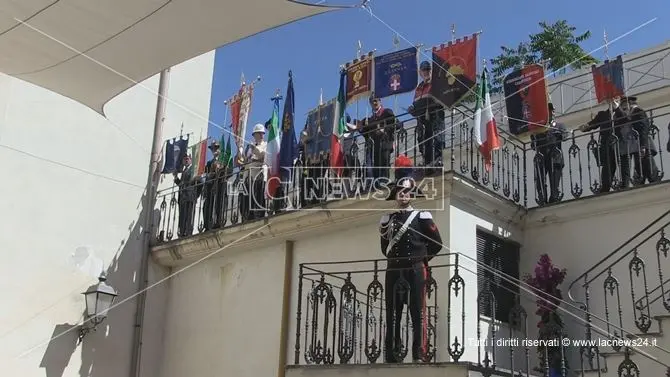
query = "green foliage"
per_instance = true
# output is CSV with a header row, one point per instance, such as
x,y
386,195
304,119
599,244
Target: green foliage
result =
x,y
557,45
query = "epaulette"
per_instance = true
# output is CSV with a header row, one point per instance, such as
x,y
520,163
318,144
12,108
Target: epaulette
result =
x,y
425,215
384,219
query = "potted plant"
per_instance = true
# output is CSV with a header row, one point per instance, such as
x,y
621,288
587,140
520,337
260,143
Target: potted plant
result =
x,y
546,280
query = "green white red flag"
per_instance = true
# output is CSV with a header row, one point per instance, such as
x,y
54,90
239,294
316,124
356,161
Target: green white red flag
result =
x,y
339,127
272,153
199,157
486,130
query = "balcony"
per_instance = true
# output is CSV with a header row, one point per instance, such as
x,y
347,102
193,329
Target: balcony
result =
x,y
478,329
510,179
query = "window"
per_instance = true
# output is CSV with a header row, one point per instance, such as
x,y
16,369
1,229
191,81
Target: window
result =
x,y
503,256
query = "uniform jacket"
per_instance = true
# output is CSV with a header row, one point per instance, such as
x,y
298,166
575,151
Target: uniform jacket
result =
x,y
420,242
632,132
187,189
549,142
387,122
425,107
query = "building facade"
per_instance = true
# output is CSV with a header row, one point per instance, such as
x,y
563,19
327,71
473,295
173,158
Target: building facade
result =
x,y
292,294
80,179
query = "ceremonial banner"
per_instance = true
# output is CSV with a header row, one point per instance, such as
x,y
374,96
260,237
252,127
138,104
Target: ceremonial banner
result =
x,y
526,99
288,151
396,73
175,151
319,129
359,76
608,79
240,107
454,71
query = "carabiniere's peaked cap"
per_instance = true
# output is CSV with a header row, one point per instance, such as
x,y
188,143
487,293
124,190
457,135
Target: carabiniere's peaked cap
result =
x,y
405,185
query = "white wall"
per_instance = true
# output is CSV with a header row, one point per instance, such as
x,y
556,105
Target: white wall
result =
x,y
578,235
70,207
465,220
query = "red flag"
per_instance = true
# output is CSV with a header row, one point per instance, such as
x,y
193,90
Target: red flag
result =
x,y
526,99
608,79
454,71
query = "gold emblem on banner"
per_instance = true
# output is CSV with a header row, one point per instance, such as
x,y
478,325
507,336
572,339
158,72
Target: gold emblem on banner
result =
x,y
287,122
358,75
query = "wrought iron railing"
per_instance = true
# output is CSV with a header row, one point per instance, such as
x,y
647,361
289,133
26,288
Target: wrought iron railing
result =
x,y
517,172
343,310
626,273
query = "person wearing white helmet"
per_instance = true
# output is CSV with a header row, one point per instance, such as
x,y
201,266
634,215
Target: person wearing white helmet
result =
x,y
254,159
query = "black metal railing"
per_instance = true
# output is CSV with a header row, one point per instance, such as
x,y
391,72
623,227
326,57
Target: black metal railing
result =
x,y
634,291
344,308
518,170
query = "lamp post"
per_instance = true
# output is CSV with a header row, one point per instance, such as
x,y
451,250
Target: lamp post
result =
x,y
99,299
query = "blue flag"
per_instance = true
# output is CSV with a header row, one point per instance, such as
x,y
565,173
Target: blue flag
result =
x,y
288,150
396,72
175,151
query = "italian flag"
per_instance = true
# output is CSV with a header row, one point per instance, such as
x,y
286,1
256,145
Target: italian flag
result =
x,y
199,157
339,127
272,154
486,130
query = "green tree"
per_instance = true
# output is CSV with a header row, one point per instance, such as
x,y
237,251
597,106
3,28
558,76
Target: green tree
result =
x,y
558,45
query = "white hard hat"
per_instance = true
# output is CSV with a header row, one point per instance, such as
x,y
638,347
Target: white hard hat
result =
x,y
259,128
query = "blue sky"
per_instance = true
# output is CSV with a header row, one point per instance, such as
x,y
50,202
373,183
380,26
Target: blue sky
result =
x,y
314,48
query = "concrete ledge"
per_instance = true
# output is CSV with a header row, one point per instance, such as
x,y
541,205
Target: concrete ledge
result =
x,y
303,223
451,369
598,205
381,370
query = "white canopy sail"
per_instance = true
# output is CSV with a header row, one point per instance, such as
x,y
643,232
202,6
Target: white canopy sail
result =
x,y
91,51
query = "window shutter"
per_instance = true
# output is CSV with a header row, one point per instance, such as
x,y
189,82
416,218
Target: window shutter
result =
x,y
502,256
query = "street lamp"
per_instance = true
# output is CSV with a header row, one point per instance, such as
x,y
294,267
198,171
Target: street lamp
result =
x,y
99,299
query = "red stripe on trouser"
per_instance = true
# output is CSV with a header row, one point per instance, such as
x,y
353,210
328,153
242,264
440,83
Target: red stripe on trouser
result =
x,y
424,316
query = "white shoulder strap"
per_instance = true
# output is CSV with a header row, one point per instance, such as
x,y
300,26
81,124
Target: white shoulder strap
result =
x,y
402,231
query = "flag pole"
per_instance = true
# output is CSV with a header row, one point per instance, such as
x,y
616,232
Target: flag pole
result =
x,y
396,47
148,206
358,55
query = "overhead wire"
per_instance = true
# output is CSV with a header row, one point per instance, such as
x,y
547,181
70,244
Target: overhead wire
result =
x,y
61,164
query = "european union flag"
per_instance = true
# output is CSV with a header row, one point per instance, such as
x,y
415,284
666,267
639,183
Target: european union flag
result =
x,y
288,150
396,72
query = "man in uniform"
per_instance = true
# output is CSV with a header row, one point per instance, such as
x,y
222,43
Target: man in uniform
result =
x,y
549,160
409,239
380,130
255,159
187,198
639,143
210,186
430,119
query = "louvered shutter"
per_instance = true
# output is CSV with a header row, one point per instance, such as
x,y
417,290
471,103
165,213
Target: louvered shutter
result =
x,y
503,256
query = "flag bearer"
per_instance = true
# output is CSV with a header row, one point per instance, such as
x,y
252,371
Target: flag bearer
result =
x,y
379,129
409,239
255,159
430,119
549,160
187,198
